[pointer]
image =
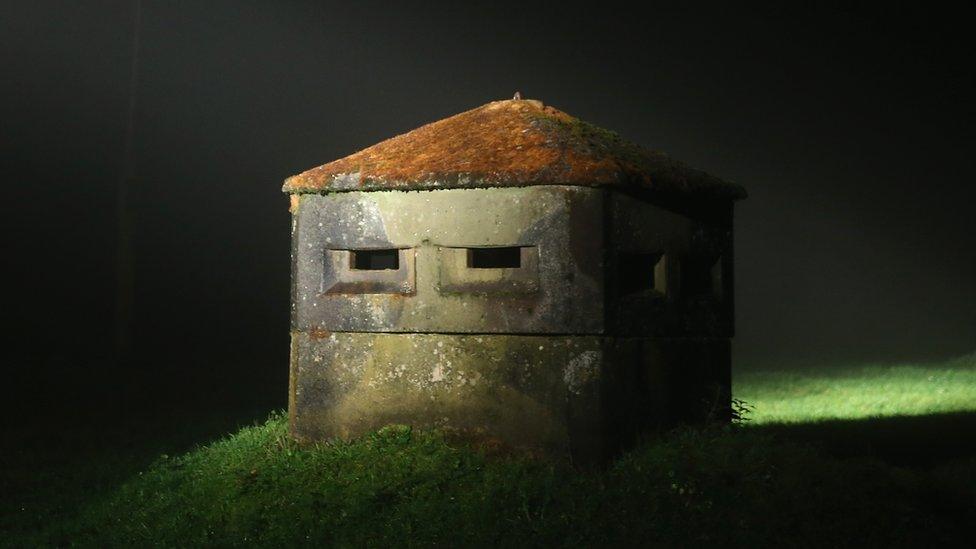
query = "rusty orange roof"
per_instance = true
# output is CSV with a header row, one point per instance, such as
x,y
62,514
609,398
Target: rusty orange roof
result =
x,y
508,144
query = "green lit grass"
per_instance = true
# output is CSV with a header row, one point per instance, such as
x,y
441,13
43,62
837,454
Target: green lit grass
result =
x,y
859,392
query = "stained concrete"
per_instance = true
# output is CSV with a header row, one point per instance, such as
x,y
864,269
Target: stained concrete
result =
x,y
584,397
558,289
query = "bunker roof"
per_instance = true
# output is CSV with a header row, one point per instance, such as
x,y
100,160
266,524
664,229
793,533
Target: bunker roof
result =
x,y
510,143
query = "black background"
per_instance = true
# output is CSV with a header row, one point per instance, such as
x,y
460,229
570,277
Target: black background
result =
x,y
850,128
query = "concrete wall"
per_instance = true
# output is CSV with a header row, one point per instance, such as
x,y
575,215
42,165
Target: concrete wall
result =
x,y
580,396
693,294
558,289
615,322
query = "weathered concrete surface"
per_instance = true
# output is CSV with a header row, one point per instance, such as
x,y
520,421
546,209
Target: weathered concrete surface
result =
x,y
594,362
696,269
558,288
581,396
571,238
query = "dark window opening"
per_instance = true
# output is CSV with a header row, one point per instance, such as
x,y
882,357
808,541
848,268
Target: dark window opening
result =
x,y
640,272
495,258
375,260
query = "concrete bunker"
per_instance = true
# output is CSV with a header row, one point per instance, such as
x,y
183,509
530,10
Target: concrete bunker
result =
x,y
510,273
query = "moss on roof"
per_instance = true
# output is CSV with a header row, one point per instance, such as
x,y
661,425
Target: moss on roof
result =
x,y
507,144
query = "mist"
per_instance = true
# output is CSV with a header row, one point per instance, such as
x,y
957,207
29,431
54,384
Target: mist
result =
x,y
851,130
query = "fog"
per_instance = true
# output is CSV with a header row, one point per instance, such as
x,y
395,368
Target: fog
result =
x,y
851,130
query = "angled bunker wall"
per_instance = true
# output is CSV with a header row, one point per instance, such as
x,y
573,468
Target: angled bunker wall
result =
x,y
556,318
670,271
579,396
435,282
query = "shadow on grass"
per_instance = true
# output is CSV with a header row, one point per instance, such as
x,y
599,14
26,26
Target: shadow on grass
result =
x,y
77,430
908,441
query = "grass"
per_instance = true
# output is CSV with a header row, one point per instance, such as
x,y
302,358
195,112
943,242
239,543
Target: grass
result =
x,y
828,472
401,487
859,392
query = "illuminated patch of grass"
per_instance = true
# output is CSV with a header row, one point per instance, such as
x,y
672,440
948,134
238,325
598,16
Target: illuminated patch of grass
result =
x,y
858,392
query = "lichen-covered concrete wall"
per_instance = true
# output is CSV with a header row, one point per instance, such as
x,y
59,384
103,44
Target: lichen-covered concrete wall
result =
x,y
581,396
567,283
616,320
696,297
558,289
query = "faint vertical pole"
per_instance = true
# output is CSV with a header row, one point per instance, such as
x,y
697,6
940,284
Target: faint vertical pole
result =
x,y
124,261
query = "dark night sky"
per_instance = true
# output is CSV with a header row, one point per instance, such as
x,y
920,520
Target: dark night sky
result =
x,y
852,131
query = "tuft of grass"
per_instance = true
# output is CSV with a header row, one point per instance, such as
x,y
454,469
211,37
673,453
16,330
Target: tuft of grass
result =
x,y
400,486
801,396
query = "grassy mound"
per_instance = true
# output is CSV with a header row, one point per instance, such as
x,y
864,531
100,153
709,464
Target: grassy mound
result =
x,y
864,455
399,486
